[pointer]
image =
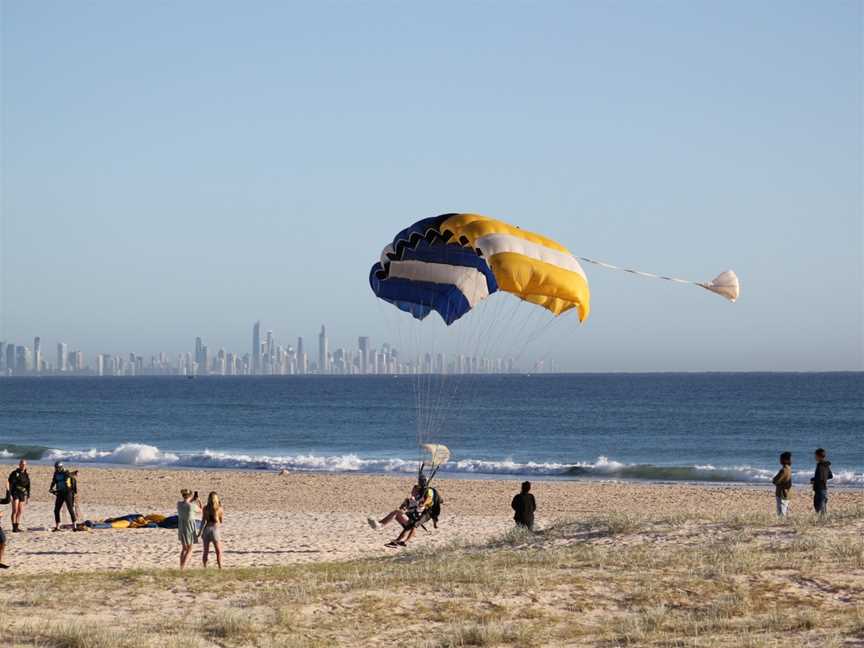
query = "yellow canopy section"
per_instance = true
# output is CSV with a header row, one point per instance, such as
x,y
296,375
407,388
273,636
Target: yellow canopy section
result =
x,y
531,266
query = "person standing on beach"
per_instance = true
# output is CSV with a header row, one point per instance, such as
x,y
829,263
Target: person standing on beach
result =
x,y
524,505
64,487
2,546
19,491
211,524
820,481
187,530
783,484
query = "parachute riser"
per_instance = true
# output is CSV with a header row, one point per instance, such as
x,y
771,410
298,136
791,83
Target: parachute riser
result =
x,y
432,474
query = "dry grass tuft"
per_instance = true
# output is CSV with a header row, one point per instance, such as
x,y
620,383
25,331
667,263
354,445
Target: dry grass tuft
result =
x,y
70,634
229,624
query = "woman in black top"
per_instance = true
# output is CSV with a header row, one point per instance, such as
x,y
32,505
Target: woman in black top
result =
x,y
19,491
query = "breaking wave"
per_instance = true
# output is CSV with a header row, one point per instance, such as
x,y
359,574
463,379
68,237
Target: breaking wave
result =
x,y
140,454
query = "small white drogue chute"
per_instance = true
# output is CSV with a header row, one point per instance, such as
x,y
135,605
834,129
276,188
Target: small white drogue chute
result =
x,y
725,284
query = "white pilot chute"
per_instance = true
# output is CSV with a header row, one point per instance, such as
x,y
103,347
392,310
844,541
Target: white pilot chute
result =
x,y
725,284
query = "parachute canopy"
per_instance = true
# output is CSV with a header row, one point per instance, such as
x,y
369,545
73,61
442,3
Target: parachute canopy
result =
x,y
452,262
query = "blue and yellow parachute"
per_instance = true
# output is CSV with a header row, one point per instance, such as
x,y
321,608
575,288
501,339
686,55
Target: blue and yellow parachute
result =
x,y
450,263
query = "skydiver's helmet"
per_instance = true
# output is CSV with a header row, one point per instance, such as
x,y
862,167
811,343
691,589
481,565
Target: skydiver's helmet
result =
x,y
421,482
58,465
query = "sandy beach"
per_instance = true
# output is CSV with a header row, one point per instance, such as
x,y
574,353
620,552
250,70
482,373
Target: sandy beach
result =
x,y
274,519
612,564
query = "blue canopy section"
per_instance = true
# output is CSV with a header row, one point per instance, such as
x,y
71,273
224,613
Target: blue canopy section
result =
x,y
430,274
428,228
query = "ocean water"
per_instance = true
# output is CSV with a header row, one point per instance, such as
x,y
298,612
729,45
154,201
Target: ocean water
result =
x,y
660,427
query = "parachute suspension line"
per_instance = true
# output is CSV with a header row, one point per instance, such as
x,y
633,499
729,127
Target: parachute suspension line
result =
x,y
425,376
548,327
725,284
446,386
408,338
456,391
397,325
488,323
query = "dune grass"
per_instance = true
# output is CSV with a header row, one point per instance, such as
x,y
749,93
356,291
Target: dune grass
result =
x,y
606,581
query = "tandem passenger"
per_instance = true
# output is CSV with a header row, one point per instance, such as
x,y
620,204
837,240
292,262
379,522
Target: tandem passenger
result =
x,y
427,506
405,515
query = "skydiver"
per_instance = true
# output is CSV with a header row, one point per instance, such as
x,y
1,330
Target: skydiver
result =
x,y
405,515
418,515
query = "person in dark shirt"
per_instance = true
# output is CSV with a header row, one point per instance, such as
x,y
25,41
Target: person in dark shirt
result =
x,y
19,492
64,488
524,506
2,546
783,484
820,481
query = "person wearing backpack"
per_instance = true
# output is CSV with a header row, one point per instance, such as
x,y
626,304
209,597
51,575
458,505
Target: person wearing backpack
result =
x,y
64,487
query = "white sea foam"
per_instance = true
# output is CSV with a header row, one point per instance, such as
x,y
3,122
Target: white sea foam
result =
x,y
135,454
139,454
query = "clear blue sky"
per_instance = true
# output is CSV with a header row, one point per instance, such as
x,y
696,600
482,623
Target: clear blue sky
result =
x,y
181,169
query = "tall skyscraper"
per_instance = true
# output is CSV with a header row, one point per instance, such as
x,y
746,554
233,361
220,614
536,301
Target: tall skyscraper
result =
x,y
323,361
301,357
10,358
62,357
37,354
2,356
270,353
256,348
22,359
363,345
231,364
199,352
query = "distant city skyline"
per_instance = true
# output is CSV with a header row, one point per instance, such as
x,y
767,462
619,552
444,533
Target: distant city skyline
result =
x,y
266,357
